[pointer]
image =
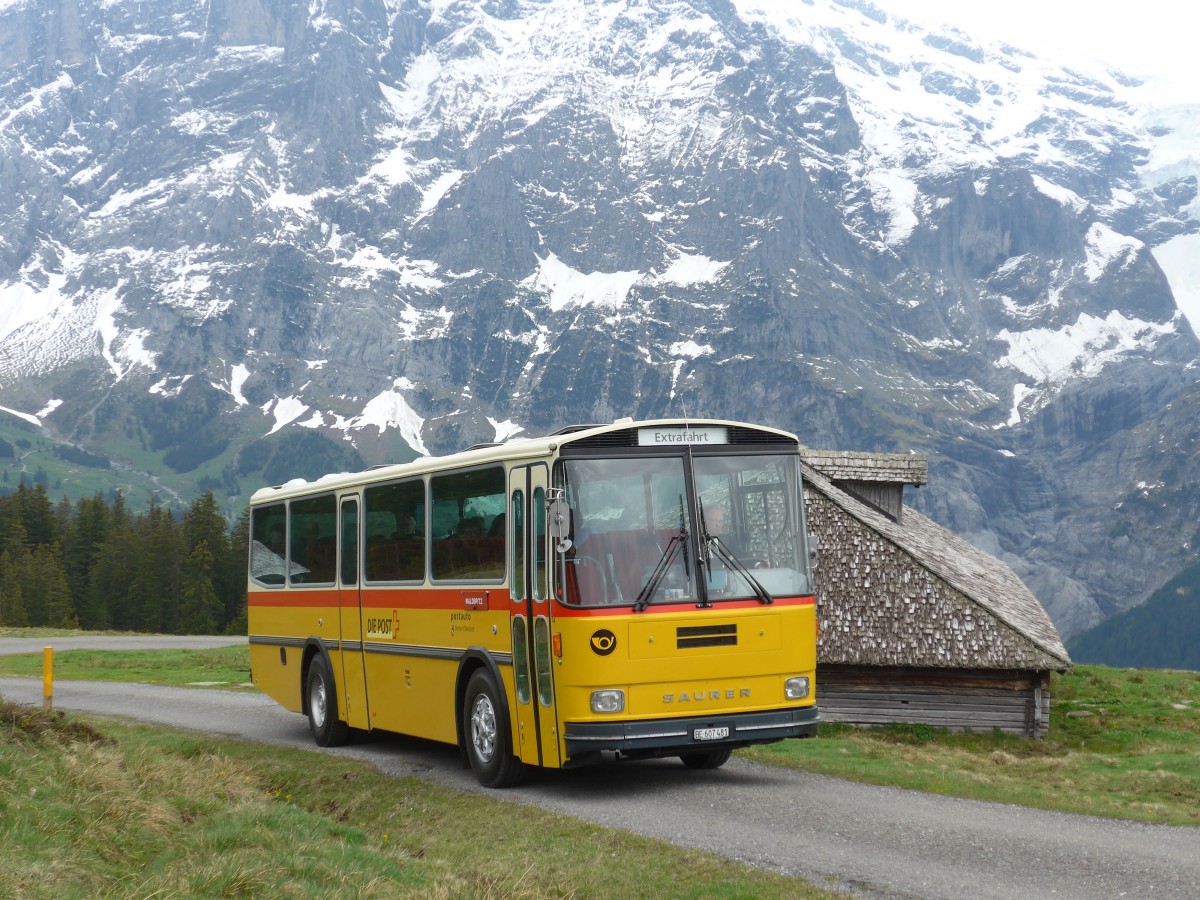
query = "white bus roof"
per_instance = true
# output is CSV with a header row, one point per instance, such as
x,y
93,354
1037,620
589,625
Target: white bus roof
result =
x,y
517,448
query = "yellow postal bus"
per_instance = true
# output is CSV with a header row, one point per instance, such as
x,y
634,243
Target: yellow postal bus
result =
x,y
641,589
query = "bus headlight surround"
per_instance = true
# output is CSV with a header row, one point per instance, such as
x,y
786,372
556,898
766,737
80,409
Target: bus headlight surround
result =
x,y
609,700
796,687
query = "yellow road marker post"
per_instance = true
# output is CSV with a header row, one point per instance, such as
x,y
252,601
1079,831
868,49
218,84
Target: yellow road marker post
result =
x,y
48,679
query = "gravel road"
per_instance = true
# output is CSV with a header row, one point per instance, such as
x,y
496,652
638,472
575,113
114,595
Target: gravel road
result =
x,y
870,841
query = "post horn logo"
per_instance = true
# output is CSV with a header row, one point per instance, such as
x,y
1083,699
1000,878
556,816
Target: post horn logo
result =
x,y
604,642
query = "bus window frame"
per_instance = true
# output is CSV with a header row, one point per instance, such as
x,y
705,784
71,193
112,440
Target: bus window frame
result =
x,y
283,582
291,560
423,534
431,543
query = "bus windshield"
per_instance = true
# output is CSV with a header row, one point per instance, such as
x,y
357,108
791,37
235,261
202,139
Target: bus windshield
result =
x,y
699,528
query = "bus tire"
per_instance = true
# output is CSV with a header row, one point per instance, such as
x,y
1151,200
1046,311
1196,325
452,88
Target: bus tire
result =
x,y
321,694
486,734
712,759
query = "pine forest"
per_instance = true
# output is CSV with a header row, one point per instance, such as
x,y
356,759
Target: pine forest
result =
x,y
96,565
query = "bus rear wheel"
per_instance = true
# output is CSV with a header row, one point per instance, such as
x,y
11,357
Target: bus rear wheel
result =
x,y
486,734
712,759
327,729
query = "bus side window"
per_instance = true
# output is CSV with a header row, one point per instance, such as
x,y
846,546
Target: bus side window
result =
x,y
268,544
312,530
395,525
541,589
517,591
349,542
465,503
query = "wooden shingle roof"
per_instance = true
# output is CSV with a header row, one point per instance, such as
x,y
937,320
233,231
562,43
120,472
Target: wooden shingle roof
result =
x,y
1020,635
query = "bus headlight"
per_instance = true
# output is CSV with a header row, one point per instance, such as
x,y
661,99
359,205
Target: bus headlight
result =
x,y
608,701
796,687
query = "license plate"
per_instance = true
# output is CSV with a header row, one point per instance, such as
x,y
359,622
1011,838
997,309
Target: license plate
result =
x,y
710,734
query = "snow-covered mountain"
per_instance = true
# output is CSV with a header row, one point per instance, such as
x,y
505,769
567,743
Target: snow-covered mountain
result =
x,y
239,239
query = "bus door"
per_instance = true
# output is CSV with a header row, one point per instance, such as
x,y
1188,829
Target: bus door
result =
x,y
350,615
536,741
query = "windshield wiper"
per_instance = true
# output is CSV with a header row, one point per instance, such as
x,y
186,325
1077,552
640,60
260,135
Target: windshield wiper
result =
x,y
660,571
726,557
678,542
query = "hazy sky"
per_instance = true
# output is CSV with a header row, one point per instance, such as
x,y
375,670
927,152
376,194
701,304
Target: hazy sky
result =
x,y
1147,38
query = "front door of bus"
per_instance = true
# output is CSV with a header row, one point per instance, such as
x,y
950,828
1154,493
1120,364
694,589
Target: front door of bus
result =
x,y
353,676
536,740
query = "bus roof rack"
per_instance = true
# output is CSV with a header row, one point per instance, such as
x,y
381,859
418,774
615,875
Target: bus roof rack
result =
x,y
483,446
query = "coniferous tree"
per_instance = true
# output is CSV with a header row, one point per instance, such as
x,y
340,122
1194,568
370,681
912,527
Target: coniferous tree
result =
x,y
200,605
157,580
84,538
47,588
37,514
203,525
111,575
12,526
235,601
12,597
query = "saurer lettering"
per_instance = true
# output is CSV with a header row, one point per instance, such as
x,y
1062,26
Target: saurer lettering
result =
x,y
700,696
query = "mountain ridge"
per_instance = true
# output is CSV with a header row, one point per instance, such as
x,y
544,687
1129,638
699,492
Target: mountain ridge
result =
x,y
407,227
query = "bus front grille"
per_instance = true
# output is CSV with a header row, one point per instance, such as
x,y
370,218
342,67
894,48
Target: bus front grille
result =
x,y
706,636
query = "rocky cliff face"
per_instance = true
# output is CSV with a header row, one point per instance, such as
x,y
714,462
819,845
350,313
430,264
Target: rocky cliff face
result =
x,y
231,230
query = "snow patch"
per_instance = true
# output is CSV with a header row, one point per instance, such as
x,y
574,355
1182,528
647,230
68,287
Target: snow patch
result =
x,y
1020,392
1079,350
1062,195
170,385
442,185
285,410
1105,247
894,196
690,269
504,430
49,408
122,352
690,349
387,410
420,274
32,420
1179,258
565,286
21,303
238,376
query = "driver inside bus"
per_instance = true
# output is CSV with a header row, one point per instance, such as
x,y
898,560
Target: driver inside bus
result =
x,y
714,526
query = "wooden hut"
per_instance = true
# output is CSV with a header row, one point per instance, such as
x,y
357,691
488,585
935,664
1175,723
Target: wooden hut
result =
x,y
916,624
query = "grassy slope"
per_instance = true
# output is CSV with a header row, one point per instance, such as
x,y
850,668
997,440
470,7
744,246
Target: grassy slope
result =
x,y
1123,743
139,812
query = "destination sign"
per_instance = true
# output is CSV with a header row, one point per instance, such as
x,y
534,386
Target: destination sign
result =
x,y
682,437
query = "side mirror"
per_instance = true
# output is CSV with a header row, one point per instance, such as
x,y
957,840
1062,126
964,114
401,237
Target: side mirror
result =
x,y
559,515
812,551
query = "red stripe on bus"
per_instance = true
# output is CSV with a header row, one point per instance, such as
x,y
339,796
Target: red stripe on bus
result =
x,y
498,599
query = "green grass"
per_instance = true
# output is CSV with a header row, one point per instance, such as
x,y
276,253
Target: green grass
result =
x,y
96,809
64,478
219,667
8,632
1123,743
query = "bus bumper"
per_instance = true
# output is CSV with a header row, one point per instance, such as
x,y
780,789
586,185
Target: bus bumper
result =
x,y
669,737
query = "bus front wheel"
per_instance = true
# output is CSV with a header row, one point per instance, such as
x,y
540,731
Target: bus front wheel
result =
x,y
485,729
709,760
327,729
